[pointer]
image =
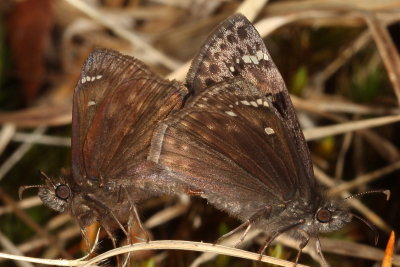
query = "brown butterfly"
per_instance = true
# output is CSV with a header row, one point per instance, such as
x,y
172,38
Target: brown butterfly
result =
x,y
238,142
116,105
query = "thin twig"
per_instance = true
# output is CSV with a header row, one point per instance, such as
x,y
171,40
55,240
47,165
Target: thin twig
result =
x,y
20,152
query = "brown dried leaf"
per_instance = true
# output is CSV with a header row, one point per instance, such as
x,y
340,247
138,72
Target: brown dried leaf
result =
x,y
29,26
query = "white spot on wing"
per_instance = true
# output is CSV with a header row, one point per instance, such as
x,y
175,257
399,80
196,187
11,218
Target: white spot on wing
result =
x,y
230,106
253,103
260,54
265,57
91,103
98,77
265,103
246,59
259,101
232,69
254,59
231,113
269,130
244,102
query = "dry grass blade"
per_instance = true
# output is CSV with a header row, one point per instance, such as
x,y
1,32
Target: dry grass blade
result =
x,y
251,8
23,204
44,261
36,116
387,50
321,77
347,248
320,132
31,223
20,152
126,34
364,179
342,155
10,247
158,245
166,215
6,134
42,139
192,246
388,258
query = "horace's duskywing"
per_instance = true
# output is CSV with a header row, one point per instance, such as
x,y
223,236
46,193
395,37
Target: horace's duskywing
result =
x,y
116,105
238,142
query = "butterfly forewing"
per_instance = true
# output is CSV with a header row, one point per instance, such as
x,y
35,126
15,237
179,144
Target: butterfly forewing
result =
x,y
124,124
117,102
101,74
235,49
231,138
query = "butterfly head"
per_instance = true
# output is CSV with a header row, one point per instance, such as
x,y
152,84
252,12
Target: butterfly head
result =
x,y
331,216
56,194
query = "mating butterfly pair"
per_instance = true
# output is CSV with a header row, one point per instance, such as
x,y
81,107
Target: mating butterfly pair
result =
x,y
236,141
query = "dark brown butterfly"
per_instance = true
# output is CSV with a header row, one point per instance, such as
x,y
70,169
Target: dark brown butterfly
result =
x,y
116,105
238,142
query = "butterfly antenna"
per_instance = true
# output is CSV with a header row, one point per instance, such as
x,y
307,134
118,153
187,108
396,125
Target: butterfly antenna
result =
x,y
24,187
386,192
47,178
370,225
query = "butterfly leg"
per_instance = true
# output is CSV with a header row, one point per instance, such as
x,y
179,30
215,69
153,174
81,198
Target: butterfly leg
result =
x,y
87,242
136,215
237,229
302,245
248,224
114,242
275,235
107,211
139,222
243,235
319,251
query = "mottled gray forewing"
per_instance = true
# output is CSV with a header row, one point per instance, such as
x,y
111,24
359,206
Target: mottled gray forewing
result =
x,y
104,72
235,49
232,144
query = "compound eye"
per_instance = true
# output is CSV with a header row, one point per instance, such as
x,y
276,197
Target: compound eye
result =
x,y
324,215
62,191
